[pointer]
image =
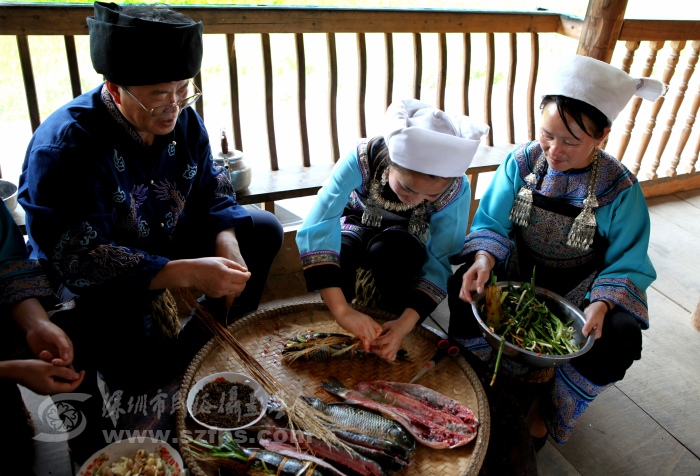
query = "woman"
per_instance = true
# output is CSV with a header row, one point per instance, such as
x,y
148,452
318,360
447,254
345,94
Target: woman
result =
x,y
573,212
397,205
35,352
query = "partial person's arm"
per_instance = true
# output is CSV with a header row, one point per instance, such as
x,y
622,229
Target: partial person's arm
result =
x,y
627,272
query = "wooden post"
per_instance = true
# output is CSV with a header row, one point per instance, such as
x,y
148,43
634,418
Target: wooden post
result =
x,y
601,28
695,317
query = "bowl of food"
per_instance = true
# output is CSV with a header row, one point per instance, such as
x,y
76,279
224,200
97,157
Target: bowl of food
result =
x,y
227,401
8,192
545,329
148,456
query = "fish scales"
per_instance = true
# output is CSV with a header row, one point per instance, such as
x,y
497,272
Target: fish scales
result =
x,y
428,432
387,453
365,422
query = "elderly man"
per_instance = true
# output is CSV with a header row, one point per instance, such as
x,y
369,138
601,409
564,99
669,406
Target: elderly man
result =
x,y
124,202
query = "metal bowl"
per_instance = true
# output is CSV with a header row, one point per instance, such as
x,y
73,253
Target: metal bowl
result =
x,y
560,307
8,192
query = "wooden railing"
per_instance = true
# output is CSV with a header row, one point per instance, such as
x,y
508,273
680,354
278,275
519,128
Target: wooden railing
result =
x,y
483,64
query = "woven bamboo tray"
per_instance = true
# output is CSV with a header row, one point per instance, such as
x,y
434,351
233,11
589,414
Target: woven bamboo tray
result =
x,y
263,334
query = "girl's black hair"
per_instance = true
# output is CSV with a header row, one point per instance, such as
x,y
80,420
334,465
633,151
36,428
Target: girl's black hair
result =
x,y
578,110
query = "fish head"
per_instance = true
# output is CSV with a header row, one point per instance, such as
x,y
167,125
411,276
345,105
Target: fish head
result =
x,y
398,434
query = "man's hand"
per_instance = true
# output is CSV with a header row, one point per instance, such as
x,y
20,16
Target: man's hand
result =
x,y
214,276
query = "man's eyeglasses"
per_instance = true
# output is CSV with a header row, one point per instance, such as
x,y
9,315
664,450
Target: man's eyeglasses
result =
x,y
172,108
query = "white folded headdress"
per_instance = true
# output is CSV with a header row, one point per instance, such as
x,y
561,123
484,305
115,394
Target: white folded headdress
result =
x,y
599,84
425,139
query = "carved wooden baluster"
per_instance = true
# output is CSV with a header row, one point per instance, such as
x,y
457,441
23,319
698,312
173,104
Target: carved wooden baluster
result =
x,y
269,100
467,72
389,53
510,122
654,47
233,86
630,48
488,93
333,95
688,128
361,84
25,59
676,106
417,64
690,168
531,83
301,98
442,71
671,63
73,71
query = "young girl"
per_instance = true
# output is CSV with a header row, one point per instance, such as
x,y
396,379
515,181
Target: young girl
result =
x,y
397,205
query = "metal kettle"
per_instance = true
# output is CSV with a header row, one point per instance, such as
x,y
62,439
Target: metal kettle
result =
x,y
232,160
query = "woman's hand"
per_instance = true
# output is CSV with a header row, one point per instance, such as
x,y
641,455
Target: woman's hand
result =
x,y
595,315
477,275
45,339
49,343
350,319
42,377
388,343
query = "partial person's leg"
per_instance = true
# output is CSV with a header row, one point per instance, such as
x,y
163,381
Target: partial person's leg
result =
x,y
580,381
396,258
352,257
463,324
259,243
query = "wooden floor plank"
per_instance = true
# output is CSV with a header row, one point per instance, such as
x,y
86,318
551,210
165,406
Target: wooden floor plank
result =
x,y
664,383
673,251
550,462
616,437
691,196
675,210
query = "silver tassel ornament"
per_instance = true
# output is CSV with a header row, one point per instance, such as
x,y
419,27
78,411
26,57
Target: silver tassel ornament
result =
x,y
522,205
584,227
417,224
372,216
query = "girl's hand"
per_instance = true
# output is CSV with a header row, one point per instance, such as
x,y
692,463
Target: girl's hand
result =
x,y
359,324
353,321
388,343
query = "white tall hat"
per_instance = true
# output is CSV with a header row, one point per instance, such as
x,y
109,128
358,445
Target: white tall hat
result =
x,y
425,139
599,84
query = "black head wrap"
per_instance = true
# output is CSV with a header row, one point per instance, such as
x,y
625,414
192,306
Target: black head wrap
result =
x,y
132,51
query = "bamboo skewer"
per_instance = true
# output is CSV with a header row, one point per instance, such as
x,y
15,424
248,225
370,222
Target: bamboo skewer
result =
x,y
296,409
